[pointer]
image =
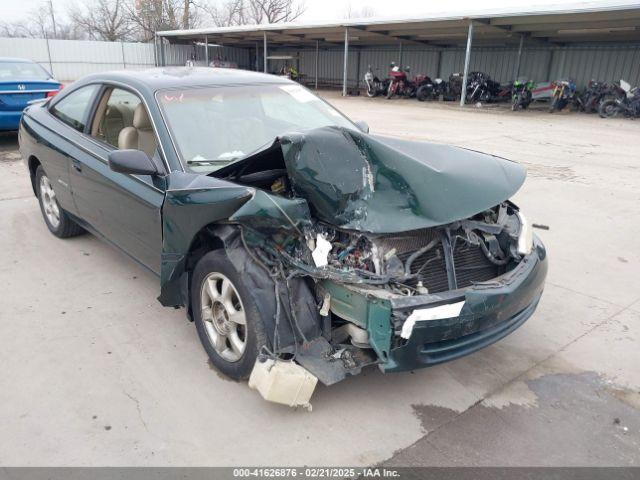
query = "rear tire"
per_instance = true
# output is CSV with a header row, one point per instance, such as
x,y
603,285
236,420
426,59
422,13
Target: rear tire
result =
x,y
55,217
227,317
608,109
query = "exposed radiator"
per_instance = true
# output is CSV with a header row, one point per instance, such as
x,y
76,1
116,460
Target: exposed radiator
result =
x,y
470,264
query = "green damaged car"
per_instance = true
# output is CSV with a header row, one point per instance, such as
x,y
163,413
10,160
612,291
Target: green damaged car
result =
x,y
303,247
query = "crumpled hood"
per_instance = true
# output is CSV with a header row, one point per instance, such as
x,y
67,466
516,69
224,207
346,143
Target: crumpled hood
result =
x,y
374,184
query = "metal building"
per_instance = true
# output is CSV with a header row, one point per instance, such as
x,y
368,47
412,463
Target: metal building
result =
x,y
598,41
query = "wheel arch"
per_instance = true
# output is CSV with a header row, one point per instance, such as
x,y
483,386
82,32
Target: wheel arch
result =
x,y
33,163
205,240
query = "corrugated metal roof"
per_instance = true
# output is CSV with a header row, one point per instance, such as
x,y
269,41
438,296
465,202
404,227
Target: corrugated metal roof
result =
x,y
557,24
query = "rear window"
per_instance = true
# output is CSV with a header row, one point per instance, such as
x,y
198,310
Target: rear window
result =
x,y
73,108
18,71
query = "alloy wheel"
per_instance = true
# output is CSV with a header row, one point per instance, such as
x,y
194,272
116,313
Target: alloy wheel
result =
x,y
223,316
49,202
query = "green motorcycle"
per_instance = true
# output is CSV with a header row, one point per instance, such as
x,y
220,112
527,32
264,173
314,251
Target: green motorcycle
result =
x,y
521,94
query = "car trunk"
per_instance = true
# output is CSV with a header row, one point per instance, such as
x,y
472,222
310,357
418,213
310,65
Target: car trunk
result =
x,y
15,96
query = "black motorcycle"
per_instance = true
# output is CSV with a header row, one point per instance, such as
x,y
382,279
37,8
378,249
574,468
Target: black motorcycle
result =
x,y
589,101
627,103
453,90
481,88
432,90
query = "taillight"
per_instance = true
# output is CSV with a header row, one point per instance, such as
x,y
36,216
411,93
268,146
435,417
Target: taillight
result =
x,y
54,92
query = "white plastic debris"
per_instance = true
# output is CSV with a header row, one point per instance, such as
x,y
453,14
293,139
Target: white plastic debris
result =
x,y
449,310
326,305
283,382
320,254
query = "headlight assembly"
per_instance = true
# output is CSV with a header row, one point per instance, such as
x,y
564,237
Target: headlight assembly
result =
x,y
525,236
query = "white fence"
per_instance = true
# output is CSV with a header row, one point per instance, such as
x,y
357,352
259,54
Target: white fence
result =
x,y
69,60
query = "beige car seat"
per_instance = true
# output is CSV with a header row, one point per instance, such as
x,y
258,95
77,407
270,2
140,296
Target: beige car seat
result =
x,y
116,118
140,136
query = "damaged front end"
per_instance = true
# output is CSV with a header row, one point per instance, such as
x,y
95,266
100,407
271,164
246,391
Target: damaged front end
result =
x,y
377,251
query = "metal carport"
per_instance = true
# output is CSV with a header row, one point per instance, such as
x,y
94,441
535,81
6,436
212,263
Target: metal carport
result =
x,y
602,23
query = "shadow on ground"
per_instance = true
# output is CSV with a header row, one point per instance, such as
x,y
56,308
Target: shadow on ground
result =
x,y
571,420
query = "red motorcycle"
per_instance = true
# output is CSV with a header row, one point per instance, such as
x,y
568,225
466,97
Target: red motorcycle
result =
x,y
401,85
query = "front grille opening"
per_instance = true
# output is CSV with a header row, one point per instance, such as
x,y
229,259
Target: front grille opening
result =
x,y
470,264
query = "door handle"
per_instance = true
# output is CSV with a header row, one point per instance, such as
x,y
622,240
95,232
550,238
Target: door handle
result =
x,y
77,165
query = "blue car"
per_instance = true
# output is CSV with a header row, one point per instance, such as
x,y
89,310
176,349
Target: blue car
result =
x,y
22,81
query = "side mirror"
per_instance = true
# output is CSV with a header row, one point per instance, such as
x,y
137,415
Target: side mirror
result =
x,y
134,162
362,126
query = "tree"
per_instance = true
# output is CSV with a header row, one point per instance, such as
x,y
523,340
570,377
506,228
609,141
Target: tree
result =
x,y
150,16
104,20
39,24
227,14
243,12
365,12
274,11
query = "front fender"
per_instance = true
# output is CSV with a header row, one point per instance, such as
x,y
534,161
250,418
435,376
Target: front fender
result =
x,y
191,203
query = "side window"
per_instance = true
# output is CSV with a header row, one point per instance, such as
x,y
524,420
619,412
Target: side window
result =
x,y
73,108
114,114
122,121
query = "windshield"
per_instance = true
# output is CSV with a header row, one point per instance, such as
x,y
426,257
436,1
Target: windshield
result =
x,y
215,126
17,71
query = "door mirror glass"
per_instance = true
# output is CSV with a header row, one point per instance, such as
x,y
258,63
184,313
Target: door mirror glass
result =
x,y
362,126
134,162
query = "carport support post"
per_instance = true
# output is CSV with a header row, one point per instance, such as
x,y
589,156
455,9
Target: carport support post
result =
x,y
316,72
264,41
400,54
206,50
515,77
346,59
467,57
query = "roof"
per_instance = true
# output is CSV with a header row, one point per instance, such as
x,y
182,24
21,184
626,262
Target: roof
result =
x,y
170,77
584,22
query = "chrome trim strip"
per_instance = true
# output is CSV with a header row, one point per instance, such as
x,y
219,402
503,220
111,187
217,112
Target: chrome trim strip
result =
x,y
29,91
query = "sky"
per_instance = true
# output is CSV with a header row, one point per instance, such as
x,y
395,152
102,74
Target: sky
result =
x,y
328,10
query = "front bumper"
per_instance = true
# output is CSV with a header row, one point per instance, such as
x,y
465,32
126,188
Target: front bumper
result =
x,y
491,311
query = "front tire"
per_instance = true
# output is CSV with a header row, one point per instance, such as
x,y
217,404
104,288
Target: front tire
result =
x,y
391,91
227,317
423,93
55,217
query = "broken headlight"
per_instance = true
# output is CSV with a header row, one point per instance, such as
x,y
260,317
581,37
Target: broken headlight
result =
x,y
525,236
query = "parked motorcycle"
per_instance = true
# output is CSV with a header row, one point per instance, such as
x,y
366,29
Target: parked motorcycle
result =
x,y
481,88
589,100
627,104
432,90
521,95
564,92
454,87
374,85
400,84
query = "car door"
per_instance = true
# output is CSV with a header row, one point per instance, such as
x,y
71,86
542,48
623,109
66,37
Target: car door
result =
x,y
123,208
60,145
